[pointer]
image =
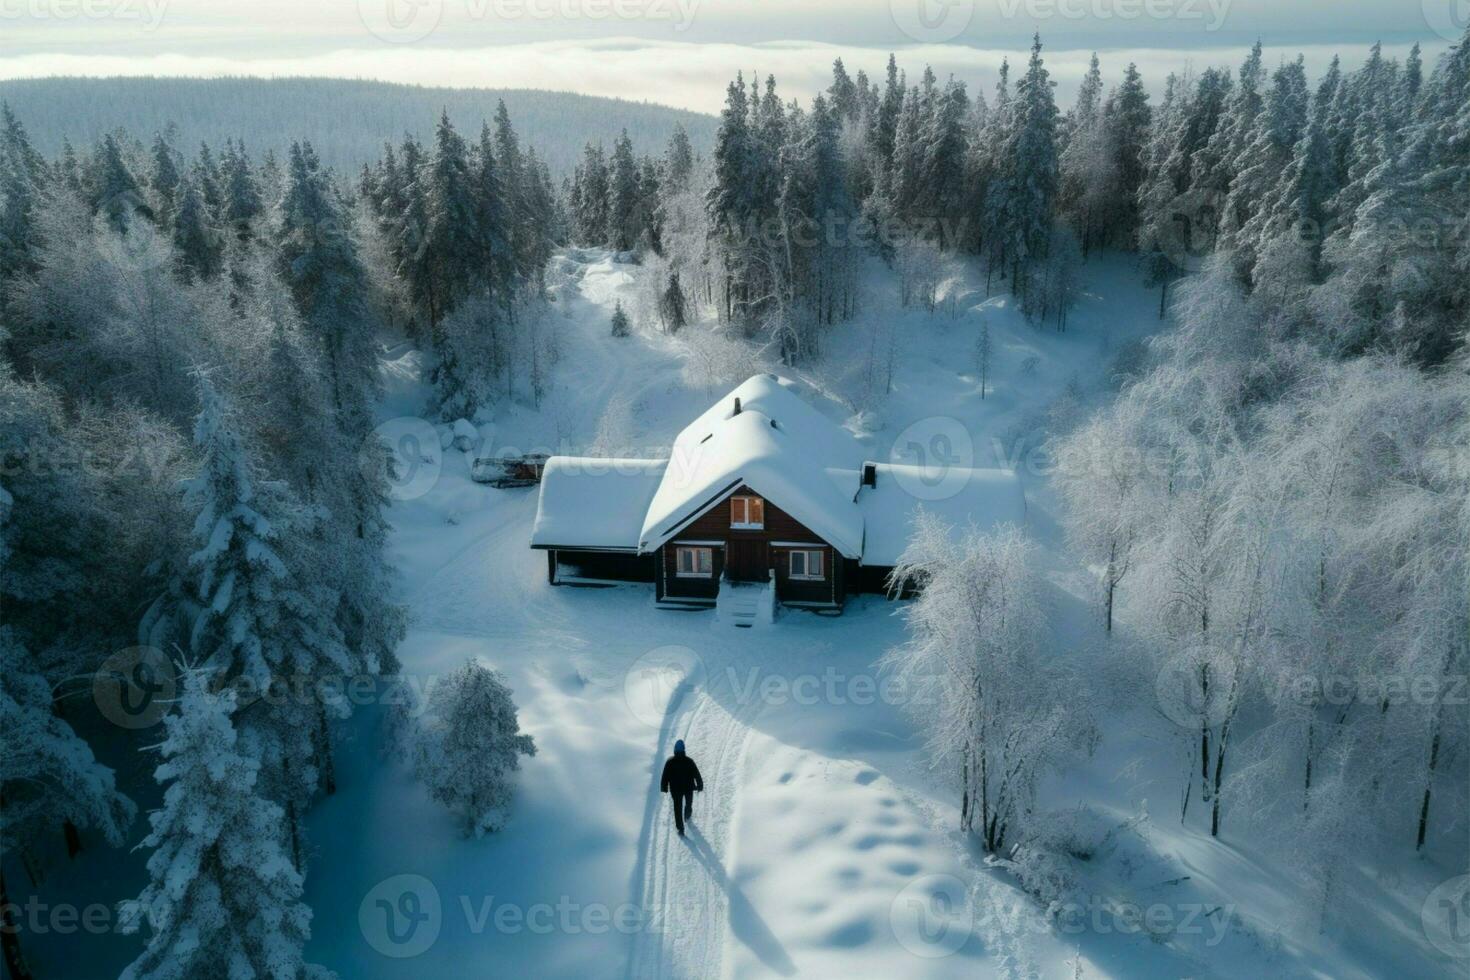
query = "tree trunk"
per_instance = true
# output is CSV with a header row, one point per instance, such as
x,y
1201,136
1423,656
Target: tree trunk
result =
x,y
1307,769
984,793
73,838
965,794
1433,762
325,763
1219,771
1163,295
294,826
1204,732
15,963
1428,787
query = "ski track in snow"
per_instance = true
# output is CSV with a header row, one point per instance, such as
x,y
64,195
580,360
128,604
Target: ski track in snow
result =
x,y
682,885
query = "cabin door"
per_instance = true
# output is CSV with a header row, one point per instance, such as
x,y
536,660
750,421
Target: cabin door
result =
x,y
747,559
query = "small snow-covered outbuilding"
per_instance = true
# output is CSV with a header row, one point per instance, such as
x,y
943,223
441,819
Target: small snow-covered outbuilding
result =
x,y
761,488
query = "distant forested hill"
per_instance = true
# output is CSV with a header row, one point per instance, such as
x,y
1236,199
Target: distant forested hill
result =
x,y
346,120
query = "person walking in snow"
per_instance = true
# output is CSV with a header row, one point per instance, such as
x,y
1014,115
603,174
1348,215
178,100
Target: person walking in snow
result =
x,y
681,781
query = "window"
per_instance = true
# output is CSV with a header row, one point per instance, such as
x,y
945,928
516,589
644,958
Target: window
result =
x,y
747,512
806,565
695,562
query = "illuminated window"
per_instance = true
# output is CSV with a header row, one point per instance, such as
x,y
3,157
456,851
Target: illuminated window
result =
x,y
695,562
747,512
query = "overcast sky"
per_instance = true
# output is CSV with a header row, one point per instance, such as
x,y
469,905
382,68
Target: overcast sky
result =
x,y
680,52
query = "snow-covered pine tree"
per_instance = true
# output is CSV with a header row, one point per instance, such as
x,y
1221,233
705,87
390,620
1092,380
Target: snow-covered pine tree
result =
x,y
620,325
942,166
624,219
885,125
467,744
906,170
410,230
732,201
524,233
673,305
649,215
164,176
223,896
1126,118
197,246
22,176
1216,163
842,94
449,238
592,204
678,161
206,174
1083,168
243,203
261,626
111,188
1264,158
984,351
1020,199
1177,220
814,203
494,269
318,259
545,224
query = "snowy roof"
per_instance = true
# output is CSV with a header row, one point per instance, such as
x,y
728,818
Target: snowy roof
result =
x,y
780,447
987,498
588,502
783,449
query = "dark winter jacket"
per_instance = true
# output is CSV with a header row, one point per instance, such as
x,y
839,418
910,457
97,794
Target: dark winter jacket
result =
x,y
681,775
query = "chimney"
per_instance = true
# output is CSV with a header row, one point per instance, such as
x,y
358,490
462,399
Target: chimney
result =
x,y
737,405
870,474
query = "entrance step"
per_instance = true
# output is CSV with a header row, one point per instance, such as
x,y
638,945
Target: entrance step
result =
x,y
746,604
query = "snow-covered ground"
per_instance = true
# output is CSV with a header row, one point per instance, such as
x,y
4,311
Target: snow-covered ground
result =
x,y
823,845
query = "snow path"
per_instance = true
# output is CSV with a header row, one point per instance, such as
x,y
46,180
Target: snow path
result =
x,y
683,885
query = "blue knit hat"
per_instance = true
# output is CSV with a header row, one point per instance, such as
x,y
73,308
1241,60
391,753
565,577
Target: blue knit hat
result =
x,y
679,747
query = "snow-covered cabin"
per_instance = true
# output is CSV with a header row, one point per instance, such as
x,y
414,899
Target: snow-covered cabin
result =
x,y
761,488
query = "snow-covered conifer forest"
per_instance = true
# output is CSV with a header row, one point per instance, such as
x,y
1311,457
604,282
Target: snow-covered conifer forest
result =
x,y
285,693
